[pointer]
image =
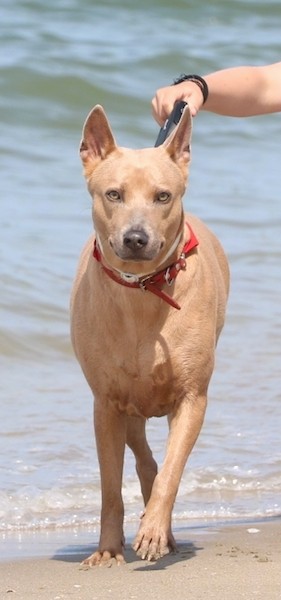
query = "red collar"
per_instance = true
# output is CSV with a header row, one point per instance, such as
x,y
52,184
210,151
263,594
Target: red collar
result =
x,y
153,283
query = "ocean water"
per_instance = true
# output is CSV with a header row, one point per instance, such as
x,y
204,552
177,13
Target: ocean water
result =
x,y
57,60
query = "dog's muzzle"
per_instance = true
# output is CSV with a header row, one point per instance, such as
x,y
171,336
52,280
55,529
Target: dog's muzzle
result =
x,y
155,281
136,244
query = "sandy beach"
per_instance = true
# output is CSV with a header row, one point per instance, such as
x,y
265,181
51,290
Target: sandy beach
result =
x,y
235,561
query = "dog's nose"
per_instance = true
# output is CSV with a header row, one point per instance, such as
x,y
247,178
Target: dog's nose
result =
x,y
135,239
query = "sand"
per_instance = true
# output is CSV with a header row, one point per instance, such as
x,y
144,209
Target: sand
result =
x,y
229,563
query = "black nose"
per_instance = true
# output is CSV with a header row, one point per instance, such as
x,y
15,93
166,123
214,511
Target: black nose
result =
x,y
135,239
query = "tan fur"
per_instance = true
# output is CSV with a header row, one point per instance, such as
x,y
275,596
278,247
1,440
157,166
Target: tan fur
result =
x,y
140,356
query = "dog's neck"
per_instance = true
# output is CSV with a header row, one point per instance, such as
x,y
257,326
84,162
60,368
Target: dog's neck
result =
x,y
152,282
132,277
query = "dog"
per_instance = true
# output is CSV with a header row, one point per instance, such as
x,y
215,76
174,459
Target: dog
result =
x,y
147,307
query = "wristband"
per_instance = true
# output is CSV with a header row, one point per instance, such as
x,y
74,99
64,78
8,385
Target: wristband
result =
x,y
195,79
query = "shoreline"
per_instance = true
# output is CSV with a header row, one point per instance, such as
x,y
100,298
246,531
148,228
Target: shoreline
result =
x,y
27,544
229,561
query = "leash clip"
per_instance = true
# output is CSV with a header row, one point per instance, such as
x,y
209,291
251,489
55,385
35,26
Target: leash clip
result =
x,y
142,286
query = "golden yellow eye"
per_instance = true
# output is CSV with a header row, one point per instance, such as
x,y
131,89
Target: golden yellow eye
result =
x,y
113,195
163,197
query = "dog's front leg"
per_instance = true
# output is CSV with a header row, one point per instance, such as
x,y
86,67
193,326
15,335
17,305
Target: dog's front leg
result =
x,y
154,538
110,432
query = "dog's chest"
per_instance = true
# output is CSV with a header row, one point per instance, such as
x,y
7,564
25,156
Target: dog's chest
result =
x,y
145,396
144,383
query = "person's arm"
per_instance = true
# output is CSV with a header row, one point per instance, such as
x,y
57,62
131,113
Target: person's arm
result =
x,y
237,92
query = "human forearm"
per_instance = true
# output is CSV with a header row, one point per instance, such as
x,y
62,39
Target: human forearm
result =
x,y
236,92
244,91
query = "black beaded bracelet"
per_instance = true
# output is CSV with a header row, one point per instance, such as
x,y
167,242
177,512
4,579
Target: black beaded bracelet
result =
x,y
195,79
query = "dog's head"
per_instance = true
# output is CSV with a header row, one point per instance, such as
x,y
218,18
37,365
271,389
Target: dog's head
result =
x,y
137,194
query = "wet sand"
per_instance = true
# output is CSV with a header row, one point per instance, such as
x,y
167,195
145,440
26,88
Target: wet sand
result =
x,y
226,563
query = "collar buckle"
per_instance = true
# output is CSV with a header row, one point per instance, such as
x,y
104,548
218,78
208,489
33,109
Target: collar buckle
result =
x,y
167,276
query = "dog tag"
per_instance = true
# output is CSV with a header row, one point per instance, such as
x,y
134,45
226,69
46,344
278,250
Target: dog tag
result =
x,y
129,277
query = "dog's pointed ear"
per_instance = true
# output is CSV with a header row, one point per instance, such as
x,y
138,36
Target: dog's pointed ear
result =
x,y
97,139
178,143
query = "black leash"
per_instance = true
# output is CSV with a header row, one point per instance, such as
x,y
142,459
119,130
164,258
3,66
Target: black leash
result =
x,y
170,123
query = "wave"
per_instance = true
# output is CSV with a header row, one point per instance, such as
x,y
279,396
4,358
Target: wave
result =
x,y
200,497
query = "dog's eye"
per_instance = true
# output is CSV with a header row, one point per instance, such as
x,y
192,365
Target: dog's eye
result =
x,y
163,197
113,195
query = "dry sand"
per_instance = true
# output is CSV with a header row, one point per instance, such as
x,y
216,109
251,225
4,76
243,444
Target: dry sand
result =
x,y
229,563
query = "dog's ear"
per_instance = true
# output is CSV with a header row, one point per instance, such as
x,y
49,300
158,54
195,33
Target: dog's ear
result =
x,y
97,139
178,143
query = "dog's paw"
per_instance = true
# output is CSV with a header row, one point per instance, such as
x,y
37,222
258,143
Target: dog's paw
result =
x,y
106,558
151,546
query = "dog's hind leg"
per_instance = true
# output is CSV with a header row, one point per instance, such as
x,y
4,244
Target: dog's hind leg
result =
x,y
146,466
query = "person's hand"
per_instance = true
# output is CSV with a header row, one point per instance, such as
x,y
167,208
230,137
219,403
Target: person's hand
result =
x,y
165,99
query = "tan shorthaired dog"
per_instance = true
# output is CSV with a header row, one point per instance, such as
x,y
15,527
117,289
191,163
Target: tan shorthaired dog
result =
x,y
148,305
